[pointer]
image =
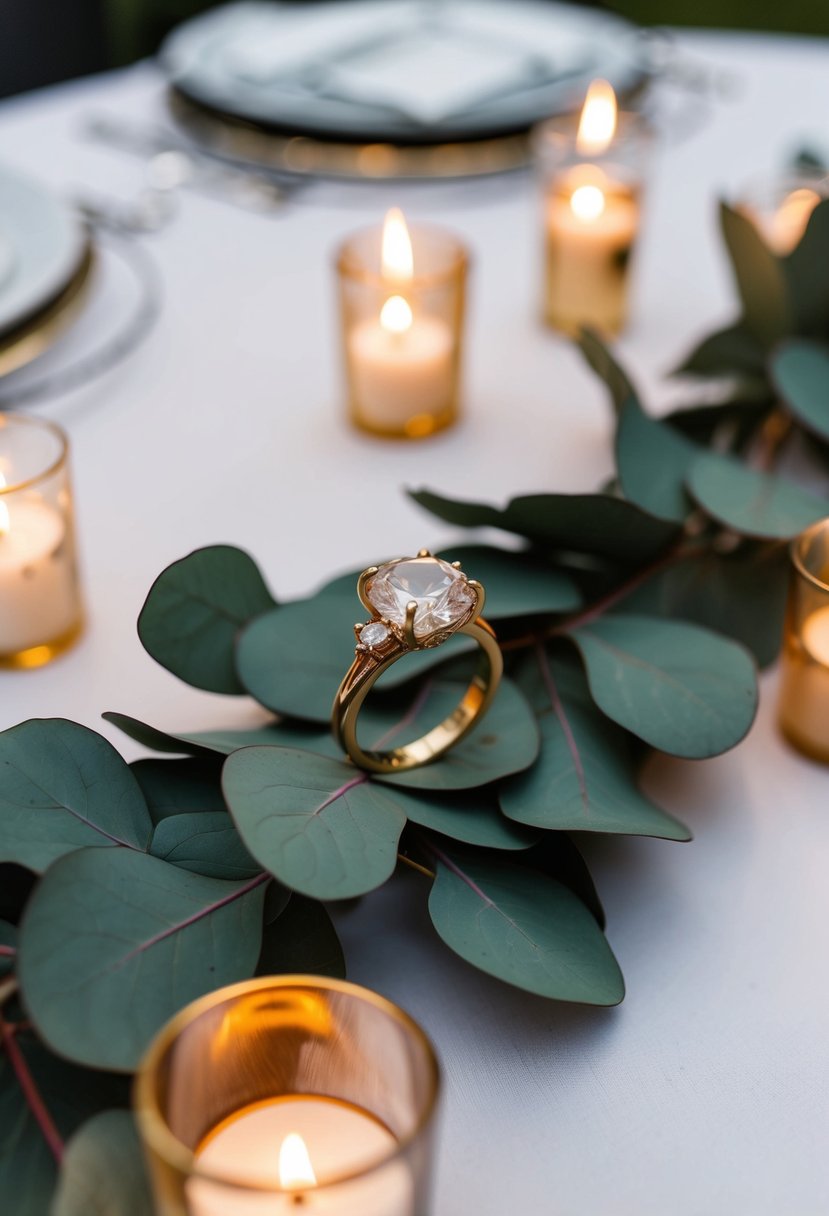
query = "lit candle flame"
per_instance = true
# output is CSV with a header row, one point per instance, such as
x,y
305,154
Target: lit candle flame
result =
x,y
5,521
396,315
597,124
587,203
295,1169
397,258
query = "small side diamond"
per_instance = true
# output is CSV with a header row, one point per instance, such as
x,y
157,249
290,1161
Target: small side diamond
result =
x,y
375,633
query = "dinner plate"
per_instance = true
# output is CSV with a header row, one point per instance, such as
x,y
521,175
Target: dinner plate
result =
x,y
44,245
400,71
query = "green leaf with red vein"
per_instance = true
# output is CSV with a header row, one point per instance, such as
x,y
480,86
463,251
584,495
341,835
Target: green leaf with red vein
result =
x,y
63,787
194,610
683,689
319,825
43,1100
586,776
522,927
114,942
104,1171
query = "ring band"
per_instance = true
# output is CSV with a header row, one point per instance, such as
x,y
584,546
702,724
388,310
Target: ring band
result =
x,y
416,603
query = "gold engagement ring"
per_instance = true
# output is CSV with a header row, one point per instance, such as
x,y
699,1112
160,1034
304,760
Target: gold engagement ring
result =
x,y
416,603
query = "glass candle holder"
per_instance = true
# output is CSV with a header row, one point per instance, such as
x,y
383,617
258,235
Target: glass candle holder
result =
x,y
289,1094
591,193
402,302
40,603
780,208
804,686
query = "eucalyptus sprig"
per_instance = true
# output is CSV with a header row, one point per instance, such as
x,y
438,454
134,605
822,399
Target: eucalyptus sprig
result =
x,y
630,619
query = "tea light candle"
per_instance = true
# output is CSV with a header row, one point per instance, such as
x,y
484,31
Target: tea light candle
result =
x,y
295,1143
402,341
38,592
289,1095
591,218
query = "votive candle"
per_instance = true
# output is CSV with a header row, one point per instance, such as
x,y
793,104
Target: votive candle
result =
x,y
40,603
402,301
804,686
289,1096
591,172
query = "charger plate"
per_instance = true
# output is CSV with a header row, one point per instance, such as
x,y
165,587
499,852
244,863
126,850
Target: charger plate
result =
x,y
400,72
26,341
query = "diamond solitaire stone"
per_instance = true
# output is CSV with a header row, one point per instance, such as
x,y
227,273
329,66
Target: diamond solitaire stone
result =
x,y
375,633
442,594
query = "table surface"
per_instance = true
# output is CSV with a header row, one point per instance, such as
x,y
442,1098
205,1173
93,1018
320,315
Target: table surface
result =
x,y
706,1091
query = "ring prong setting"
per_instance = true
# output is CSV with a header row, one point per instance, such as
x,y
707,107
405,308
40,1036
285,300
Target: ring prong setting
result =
x,y
480,596
408,627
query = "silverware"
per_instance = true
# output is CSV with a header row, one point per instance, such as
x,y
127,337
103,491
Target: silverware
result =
x,y
173,164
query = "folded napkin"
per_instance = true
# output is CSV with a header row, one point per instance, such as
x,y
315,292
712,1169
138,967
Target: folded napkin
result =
x,y
425,60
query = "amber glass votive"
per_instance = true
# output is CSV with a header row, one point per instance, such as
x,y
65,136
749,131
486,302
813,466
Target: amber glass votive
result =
x,y
40,602
591,169
402,298
804,688
780,208
290,1094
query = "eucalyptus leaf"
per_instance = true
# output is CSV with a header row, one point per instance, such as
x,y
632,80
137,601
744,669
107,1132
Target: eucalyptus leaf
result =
x,y
586,775
606,366
742,595
318,825
472,818
522,927
735,351
734,418
103,1171
596,524
756,504
808,287
503,743
301,940
680,688
70,1095
653,462
293,660
800,371
63,787
760,278
556,855
209,745
194,611
115,942
180,787
205,842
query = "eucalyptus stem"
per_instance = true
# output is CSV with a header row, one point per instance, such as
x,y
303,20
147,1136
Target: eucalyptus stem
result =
x,y
415,865
678,553
771,435
26,1081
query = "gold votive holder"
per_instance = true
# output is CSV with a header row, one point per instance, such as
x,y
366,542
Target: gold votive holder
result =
x,y
41,613
402,328
295,1095
780,207
804,686
591,202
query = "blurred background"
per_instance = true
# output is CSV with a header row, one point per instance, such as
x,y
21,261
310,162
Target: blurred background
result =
x,y
44,41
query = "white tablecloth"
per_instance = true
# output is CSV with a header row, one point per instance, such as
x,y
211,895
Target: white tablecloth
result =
x,y
705,1093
